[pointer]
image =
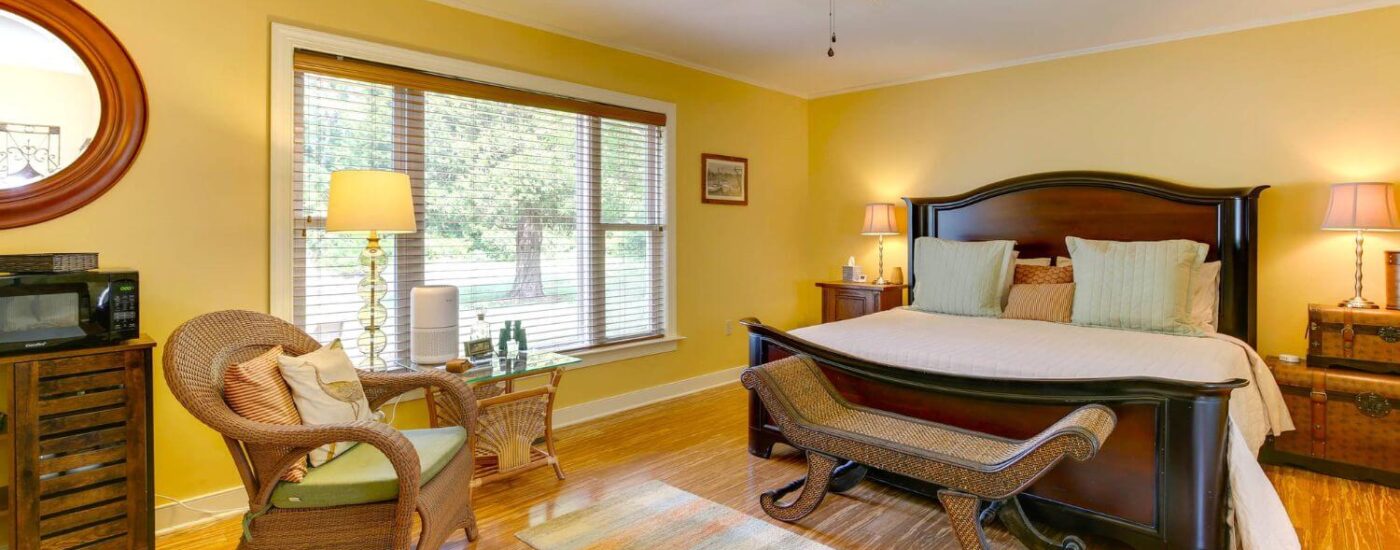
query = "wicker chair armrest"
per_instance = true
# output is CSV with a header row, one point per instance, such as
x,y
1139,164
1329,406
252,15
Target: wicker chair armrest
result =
x,y
382,386
1090,423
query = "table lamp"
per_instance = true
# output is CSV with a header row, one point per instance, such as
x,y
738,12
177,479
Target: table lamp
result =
x,y
1361,207
377,202
879,221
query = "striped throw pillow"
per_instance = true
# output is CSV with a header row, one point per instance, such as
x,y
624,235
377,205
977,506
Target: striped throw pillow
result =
x,y
1040,302
255,390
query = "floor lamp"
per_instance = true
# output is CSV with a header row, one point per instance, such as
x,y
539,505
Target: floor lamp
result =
x,y
378,202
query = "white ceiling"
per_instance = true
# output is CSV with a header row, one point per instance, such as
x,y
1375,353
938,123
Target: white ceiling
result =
x,y
781,44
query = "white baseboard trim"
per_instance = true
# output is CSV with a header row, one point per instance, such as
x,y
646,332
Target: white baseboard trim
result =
x,y
231,502
193,512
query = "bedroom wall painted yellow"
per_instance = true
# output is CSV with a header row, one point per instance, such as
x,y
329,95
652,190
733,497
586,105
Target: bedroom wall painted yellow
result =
x,y
1295,106
192,215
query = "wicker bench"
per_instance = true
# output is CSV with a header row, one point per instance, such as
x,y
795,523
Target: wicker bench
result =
x,y
841,440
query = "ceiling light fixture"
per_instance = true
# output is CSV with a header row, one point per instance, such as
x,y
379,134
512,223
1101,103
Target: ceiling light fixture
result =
x,y
831,26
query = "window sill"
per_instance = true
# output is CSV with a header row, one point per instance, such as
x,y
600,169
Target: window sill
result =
x,y
624,351
595,356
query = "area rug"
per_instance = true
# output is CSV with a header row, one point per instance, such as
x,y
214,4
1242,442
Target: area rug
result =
x,y
656,515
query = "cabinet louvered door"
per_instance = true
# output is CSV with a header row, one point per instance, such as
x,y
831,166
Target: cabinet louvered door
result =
x,y
81,454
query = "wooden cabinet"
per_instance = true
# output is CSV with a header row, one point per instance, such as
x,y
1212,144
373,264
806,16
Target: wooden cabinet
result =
x,y
842,300
76,448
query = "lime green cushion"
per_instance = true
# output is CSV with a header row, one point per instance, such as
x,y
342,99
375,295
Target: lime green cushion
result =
x,y
363,474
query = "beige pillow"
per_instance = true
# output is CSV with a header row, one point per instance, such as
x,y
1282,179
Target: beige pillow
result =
x,y
1144,285
255,390
962,278
1040,302
327,390
1205,296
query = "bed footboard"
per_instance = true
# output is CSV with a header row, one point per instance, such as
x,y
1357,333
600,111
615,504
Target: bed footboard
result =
x,y
1159,481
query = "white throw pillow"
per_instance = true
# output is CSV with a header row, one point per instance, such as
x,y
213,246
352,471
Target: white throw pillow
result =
x,y
326,388
962,278
1205,296
1140,285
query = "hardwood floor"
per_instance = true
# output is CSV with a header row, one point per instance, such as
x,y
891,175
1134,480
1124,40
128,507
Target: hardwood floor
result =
x,y
698,443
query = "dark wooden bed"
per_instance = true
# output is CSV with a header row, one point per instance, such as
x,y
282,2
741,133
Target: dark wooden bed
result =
x,y
1160,481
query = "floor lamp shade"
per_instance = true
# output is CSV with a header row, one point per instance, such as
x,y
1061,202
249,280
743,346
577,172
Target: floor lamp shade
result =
x,y
370,200
1361,207
377,202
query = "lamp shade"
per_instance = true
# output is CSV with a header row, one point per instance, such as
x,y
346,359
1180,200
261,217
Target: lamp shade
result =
x,y
370,200
1368,206
879,220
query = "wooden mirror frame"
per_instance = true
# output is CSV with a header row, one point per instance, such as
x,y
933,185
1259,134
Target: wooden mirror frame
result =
x,y
119,133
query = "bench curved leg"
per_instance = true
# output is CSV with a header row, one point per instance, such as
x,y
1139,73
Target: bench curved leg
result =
x,y
819,467
963,514
1015,520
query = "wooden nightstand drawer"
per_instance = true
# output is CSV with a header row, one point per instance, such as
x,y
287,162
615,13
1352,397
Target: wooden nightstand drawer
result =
x,y
841,300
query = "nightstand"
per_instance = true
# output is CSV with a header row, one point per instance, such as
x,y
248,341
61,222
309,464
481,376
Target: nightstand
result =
x,y
842,300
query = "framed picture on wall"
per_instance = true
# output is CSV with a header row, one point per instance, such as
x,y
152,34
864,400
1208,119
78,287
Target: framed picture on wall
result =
x,y
724,180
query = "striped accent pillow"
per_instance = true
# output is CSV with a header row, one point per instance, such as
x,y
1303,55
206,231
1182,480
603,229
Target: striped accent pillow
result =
x,y
1040,302
1043,275
255,390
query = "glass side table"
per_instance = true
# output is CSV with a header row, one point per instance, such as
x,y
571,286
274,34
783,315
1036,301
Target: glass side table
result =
x,y
508,421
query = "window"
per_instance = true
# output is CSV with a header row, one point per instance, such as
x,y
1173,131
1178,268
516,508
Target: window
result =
x,y
539,208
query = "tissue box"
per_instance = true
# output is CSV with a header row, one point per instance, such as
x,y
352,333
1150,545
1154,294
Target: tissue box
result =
x,y
851,273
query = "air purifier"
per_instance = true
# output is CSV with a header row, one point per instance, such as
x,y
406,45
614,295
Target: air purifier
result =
x,y
433,337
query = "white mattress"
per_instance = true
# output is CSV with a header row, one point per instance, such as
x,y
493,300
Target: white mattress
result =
x,y
1007,348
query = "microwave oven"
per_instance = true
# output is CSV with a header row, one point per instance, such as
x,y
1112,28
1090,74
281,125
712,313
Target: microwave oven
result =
x,y
43,311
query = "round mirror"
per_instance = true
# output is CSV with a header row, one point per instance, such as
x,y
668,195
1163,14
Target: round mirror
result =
x,y
72,110
49,108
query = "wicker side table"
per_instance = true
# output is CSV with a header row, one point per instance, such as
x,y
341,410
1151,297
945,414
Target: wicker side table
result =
x,y
514,428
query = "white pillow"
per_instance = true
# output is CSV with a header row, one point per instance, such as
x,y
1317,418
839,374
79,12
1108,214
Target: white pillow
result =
x,y
326,388
962,278
1061,261
1139,285
1205,296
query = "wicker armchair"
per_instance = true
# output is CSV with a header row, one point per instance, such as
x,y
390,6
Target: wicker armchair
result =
x,y
195,358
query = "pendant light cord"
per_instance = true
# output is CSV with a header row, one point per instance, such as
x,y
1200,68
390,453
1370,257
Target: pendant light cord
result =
x,y
831,27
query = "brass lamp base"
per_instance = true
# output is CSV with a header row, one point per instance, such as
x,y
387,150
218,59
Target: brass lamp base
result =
x,y
1359,303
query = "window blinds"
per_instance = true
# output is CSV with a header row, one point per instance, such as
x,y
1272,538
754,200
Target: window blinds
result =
x,y
539,208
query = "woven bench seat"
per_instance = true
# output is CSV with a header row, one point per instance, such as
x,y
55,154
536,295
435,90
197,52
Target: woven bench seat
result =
x,y
971,466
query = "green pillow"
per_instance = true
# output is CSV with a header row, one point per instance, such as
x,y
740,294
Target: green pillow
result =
x,y
1143,285
961,278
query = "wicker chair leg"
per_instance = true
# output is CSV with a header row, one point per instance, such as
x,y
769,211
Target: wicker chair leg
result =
x,y
819,467
470,528
962,510
1015,520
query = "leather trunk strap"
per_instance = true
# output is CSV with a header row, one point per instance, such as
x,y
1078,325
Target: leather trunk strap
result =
x,y
1348,334
1319,412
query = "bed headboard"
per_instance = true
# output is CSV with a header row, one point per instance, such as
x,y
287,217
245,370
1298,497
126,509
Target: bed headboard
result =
x,y
1038,211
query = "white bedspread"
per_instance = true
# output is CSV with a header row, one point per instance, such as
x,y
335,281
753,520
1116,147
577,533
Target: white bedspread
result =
x,y
1006,348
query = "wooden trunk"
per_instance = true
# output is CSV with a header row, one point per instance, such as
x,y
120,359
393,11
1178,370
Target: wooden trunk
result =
x,y
1345,423
78,443
1365,339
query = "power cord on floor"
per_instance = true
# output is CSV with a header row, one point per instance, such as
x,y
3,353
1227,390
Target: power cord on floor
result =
x,y
186,506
